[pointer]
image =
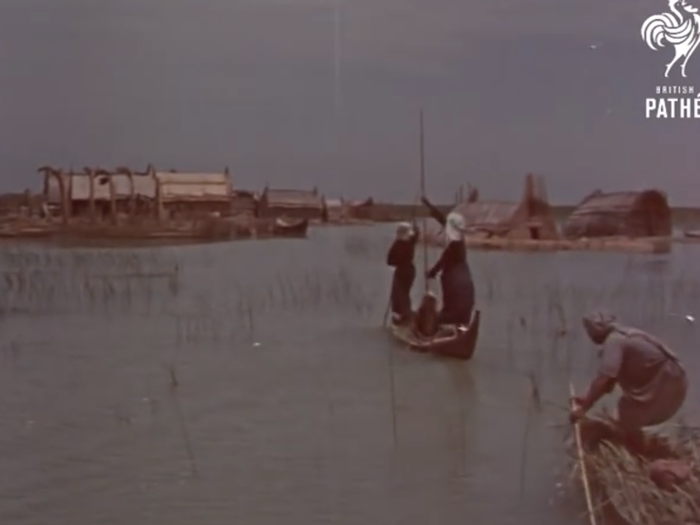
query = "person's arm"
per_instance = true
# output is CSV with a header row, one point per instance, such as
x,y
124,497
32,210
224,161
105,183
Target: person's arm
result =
x,y
438,266
599,387
610,362
434,212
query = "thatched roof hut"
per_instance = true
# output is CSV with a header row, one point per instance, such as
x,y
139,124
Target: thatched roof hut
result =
x,y
244,202
363,209
97,184
97,190
174,186
630,214
335,210
291,203
530,218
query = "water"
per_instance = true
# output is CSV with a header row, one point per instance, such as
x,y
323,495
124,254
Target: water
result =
x,y
282,411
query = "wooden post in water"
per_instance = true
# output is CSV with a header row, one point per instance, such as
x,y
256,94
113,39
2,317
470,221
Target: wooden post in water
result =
x,y
582,464
422,194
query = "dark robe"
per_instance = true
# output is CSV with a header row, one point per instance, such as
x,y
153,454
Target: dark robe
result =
x,y
400,257
457,284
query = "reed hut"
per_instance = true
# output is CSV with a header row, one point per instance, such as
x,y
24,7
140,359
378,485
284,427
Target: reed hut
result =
x,y
55,192
530,218
627,214
293,204
335,210
135,193
97,193
193,194
244,202
91,193
363,210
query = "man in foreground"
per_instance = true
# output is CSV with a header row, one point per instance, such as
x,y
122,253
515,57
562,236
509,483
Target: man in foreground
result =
x,y
652,379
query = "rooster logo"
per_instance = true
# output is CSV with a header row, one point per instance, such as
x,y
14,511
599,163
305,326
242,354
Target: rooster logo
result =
x,y
680,28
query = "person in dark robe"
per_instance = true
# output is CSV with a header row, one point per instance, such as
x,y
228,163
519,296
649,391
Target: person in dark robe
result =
x,y
455,274
400,257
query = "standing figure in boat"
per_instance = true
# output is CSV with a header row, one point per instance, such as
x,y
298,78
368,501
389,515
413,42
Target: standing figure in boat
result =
x,y
400,257
455,275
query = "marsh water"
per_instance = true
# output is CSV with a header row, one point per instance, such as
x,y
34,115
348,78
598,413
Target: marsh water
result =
x,y
250,382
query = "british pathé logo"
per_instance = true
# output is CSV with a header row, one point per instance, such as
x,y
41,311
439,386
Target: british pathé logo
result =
x,y
678,28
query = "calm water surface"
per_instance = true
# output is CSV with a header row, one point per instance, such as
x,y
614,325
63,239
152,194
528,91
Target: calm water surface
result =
x,y
283,408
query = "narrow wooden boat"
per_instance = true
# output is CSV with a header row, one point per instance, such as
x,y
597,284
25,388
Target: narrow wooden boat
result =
x,y
290,228
692,234
458,342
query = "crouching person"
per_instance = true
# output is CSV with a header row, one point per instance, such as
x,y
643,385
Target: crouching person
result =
x,y
651,378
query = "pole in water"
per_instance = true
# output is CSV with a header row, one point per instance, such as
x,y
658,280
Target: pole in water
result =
x,y
422,194
392,392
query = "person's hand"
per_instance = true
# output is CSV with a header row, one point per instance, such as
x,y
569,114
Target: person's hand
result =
x,y
577,401
429,275
577,413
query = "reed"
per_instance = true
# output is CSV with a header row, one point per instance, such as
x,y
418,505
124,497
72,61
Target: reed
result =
x,y
45,281
622,484
392,398
174,384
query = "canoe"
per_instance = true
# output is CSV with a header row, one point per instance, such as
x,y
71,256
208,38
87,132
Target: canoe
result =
x,y
290,228
457,342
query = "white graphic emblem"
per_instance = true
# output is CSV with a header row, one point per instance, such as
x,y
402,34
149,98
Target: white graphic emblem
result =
x,y
680,28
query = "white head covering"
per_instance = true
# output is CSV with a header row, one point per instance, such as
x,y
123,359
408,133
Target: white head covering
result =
x,y
454,227
403,230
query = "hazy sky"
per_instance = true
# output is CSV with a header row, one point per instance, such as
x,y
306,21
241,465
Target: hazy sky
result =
x,y
507,86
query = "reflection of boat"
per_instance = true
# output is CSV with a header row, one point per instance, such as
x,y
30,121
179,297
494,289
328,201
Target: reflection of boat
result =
x,y
290,228
458,342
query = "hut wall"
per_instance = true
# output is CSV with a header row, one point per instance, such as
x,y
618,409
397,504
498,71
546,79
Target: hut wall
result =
x,y
335,210
244,203
628,214
193,194
292,204
489,218
52,190
292,212
533,220
362,210
510,220
194,208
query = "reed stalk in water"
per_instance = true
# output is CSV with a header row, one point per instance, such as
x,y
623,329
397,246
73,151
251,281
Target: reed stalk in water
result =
x,y
174,384
392,392
535,404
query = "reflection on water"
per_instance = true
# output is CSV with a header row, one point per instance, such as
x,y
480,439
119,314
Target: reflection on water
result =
x,y
250,382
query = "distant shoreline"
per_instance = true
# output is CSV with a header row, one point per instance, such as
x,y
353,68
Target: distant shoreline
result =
x,y
390,212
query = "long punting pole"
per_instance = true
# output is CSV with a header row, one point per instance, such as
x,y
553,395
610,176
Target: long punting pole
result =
x,y
582,464
422,194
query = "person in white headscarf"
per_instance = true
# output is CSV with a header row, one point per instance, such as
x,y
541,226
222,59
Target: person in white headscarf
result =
x,y
651,378
400,257
455,275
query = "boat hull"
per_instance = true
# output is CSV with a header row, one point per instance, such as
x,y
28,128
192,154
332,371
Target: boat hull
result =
x,y
284,228
453,342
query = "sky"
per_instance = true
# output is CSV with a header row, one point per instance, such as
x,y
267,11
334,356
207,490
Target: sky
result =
x,y
282,95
